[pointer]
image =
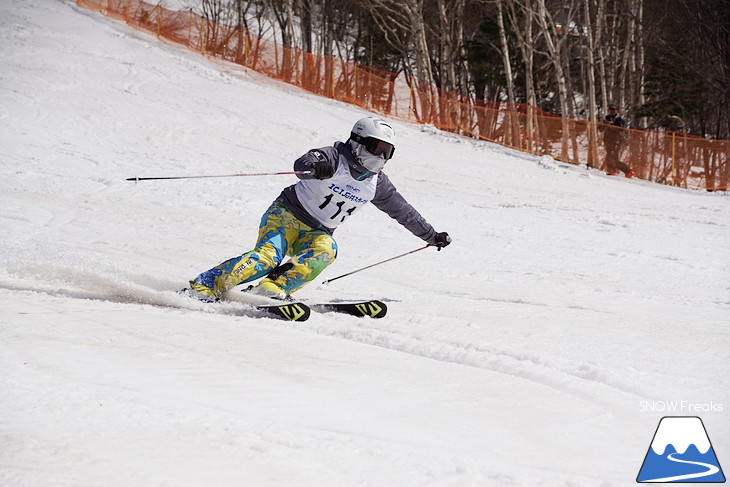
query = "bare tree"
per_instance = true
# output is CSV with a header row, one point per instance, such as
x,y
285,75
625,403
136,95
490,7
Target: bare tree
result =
x,y
661,60
522,18
403,26
506,58
555,42
593,33
283,11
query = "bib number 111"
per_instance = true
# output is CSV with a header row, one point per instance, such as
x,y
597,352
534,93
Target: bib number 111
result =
x,y
340,205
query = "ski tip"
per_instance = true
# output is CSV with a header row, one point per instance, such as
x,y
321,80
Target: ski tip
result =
x,y
376,309
289,311
373,308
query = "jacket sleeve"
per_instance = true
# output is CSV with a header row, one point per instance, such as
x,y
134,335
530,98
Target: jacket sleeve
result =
x,y
390,201
308,160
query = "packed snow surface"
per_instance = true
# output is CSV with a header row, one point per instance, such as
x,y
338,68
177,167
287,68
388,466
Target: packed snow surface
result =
x,y
572,311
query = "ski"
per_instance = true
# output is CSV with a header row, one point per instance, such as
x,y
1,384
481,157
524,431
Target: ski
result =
x,y
288,311
298,311
372,308
301,312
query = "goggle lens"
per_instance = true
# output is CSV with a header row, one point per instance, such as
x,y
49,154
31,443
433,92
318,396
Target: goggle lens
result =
x,y
379,148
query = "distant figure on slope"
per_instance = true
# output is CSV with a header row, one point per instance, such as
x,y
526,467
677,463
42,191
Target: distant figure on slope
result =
x,y
300,222
613,140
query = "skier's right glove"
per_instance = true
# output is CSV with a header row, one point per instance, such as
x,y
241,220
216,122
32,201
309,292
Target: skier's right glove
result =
x,y
441,240
323,170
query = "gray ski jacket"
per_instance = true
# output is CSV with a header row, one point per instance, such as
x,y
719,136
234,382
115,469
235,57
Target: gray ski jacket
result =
x,y
387,198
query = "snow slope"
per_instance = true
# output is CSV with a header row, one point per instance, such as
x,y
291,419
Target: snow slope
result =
x,y
522,355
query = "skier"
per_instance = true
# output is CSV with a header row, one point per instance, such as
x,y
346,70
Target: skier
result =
x,y
301,220
614,139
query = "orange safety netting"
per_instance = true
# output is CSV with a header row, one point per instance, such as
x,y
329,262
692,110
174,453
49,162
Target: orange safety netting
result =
x,y
663,157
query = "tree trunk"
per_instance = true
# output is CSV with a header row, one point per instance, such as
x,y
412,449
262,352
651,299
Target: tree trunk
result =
x,y
591,33
555,47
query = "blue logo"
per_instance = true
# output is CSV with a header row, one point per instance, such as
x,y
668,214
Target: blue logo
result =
x,y
681,452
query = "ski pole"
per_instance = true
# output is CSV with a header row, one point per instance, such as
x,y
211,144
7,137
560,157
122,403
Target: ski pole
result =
x,y
222,175
378,263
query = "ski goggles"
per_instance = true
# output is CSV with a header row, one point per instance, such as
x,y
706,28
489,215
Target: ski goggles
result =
x,y
375,146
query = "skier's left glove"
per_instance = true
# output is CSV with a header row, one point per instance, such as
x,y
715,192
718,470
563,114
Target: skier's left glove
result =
x,y
441,240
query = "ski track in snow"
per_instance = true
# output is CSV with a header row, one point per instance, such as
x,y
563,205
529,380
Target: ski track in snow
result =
x,y
510,358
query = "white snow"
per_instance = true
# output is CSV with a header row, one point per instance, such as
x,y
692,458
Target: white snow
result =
x,y
518,356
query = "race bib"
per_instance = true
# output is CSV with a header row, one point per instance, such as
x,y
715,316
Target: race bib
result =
x,y
331,201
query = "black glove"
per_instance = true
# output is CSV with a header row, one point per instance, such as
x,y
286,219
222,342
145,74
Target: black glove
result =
x,y
323,170
441,240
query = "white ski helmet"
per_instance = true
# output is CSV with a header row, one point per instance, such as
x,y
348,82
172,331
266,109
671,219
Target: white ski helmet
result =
x,y
373,142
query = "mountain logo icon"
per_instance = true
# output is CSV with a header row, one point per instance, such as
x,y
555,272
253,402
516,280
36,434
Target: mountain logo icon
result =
x,y
681,452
